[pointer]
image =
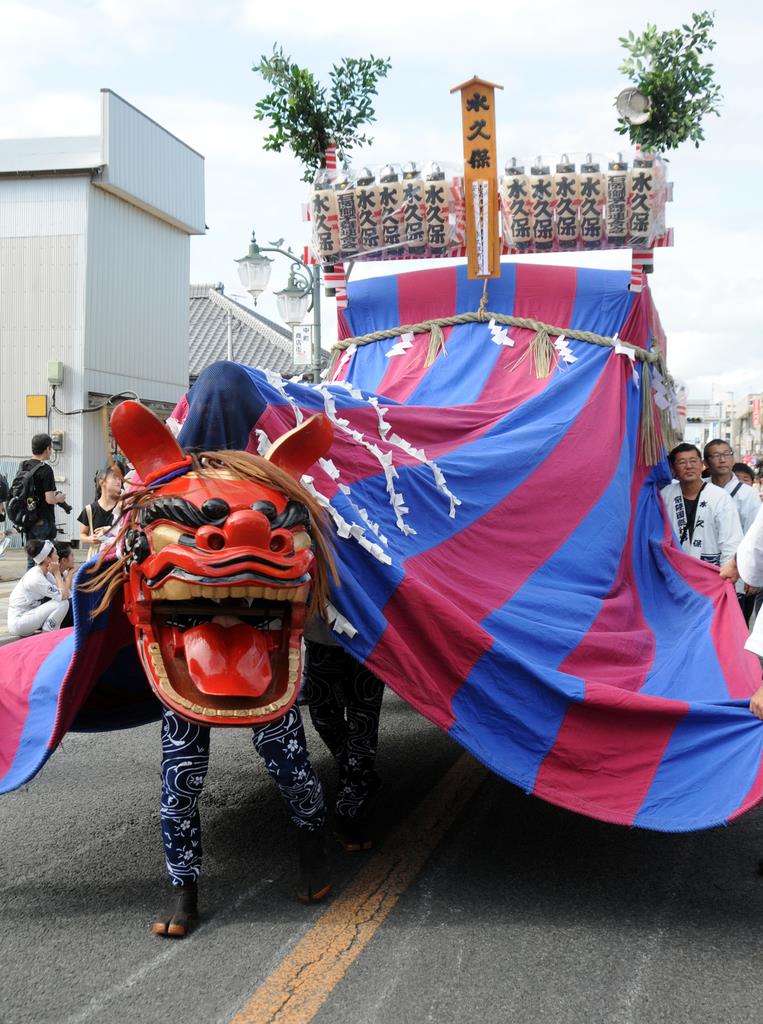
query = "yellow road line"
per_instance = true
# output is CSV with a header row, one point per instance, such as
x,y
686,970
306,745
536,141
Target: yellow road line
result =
x,y
299,986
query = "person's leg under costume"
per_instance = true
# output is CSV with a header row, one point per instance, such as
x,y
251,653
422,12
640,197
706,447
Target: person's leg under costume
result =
x,y
185,759
46,616
345,700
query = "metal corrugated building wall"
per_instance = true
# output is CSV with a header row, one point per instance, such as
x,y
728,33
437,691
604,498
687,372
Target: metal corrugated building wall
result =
x,y
149,166
94,272
43,231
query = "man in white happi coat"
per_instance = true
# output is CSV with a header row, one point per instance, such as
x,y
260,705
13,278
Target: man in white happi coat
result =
x,y
747,565
719,460
703,516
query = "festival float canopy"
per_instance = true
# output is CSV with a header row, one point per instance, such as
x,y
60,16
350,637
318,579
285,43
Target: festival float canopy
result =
x,y
506,562
505,559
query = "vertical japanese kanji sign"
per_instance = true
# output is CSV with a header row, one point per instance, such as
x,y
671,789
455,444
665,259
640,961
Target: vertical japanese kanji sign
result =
x,y
480,177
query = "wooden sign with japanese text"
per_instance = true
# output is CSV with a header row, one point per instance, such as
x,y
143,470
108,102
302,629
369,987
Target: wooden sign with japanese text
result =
x,y
480,177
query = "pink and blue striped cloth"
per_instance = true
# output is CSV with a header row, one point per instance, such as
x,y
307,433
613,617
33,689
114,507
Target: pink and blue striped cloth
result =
x,y
552,626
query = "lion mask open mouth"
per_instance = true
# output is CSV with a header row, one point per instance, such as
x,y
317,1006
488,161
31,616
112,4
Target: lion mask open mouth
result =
x,y
219,570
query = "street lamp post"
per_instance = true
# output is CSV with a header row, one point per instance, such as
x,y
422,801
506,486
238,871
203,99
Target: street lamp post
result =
x,y
302,293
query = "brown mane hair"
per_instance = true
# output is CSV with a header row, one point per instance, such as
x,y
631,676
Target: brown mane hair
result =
x,y
110,574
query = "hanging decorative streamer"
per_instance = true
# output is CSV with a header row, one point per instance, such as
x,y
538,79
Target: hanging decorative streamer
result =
x,y
481,205
436,345
649,433
562,346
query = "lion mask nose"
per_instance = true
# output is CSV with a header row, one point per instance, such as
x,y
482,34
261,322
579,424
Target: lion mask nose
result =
x,y
247,528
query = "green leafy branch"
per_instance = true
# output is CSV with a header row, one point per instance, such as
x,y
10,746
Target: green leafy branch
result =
x,y
306,117
666,67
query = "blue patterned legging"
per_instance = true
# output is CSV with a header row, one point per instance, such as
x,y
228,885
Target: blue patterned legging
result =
x,y
185,759
345,701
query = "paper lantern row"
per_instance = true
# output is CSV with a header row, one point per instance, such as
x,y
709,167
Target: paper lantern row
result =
x,y
408,213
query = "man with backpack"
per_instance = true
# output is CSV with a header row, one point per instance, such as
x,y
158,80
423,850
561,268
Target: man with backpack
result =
x,y
33,498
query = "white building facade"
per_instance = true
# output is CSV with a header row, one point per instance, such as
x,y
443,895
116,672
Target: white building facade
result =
x,y
94,274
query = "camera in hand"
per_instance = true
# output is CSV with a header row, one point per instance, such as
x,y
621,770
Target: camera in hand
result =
x,y
67,508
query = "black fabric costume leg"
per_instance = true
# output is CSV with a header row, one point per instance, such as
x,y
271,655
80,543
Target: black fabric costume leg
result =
x,y
185,760
345,700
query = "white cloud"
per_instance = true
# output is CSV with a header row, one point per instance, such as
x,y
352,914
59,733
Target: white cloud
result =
x,y
50,113
186,63
30,33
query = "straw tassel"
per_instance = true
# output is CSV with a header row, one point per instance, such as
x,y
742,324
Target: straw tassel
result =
x,y
336,354
543,353
436,345
649,434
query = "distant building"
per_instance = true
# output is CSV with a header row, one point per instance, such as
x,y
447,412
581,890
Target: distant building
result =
x,y
219,328
748,426
94,270
704,421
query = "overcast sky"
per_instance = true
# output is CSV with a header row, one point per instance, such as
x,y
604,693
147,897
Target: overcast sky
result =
x,y
187,64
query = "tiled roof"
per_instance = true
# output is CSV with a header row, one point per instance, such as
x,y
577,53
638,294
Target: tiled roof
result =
x,y
256,341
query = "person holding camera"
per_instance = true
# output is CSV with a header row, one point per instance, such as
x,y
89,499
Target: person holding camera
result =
x,y
46,494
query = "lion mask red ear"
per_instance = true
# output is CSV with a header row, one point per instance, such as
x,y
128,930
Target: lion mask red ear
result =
x,y
154,452
297,450
146,441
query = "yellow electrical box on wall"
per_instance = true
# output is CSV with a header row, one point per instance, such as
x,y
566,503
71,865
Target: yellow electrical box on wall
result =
x,y
37,405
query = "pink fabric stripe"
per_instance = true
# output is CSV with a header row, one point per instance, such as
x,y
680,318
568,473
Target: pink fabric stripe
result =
x,y
438,434
86,666
728,631
476,548
542,293
435,641
21,664
406,371
619,647
607,752
754,795
422,296
636,328
180,411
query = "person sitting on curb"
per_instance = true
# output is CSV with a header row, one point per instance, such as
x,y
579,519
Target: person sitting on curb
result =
x,y
40,599
68,571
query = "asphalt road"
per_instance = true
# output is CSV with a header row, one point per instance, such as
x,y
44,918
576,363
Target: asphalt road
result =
x,y
519,912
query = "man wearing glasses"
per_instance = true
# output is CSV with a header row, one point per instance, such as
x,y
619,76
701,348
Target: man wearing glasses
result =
x,y
703,515
719,460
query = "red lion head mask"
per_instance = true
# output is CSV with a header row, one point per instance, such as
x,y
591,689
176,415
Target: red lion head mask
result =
x,y
220,554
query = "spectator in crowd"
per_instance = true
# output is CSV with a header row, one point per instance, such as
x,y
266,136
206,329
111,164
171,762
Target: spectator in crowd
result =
x,y
719,460
744,473
68,569
40,599
97,518
45,491
703,515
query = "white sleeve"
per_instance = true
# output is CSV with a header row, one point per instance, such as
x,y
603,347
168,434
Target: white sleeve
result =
x,y
750,553
40,588
749,506
728,527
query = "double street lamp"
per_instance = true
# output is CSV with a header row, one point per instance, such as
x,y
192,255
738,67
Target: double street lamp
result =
x,y
301,294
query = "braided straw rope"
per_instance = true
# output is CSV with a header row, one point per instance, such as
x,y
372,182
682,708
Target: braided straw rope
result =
x,y
482,316
544,357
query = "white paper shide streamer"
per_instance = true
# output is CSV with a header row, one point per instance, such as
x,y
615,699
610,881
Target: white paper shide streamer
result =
x,y
499,334
480,202
562,346
400,347
368,535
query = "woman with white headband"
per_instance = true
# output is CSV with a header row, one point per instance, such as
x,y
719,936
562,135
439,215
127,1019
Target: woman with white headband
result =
x,y
40,599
